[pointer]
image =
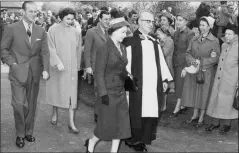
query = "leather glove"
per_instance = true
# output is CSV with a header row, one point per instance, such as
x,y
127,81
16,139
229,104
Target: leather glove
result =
x,y
105,100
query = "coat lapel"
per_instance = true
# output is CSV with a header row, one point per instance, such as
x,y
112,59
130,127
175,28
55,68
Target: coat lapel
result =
x,y
100,32
115,50
25,36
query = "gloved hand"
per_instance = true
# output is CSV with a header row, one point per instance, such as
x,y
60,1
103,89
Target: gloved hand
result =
x,y
105,100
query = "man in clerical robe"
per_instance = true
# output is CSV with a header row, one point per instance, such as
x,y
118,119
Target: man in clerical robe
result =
x,y
147,64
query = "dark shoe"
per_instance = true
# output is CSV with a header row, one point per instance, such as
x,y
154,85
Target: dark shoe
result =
x,y
30,138
199,124
20,142
181,111
225,128
140,147
72,130
177,113
127,144
137,147
192,120
212,127
87,145
53,122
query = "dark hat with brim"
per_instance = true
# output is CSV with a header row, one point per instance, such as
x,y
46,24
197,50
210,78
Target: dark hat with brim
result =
x,y
232,27
185,15
167,15
118,23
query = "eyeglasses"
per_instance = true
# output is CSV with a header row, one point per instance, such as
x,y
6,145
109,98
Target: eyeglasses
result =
x,y
148,21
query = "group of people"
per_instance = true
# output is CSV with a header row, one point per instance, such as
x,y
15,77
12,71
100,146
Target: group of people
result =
x,y
205,73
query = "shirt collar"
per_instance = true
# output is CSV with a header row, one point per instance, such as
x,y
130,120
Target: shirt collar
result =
x,y
26,24
103,29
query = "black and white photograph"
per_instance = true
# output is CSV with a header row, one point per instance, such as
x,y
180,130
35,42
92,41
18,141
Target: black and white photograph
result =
x,y
119,76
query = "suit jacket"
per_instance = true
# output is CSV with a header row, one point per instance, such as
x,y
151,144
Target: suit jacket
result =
x,y
94,39
16,48
110,70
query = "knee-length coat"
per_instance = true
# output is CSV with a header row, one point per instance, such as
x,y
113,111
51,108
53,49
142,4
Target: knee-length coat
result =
x,y
225,82
65,47
110,72
197,95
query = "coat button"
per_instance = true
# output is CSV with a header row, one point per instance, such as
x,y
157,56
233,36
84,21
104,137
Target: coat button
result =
x,y
218,77
220,68
226,50
222,59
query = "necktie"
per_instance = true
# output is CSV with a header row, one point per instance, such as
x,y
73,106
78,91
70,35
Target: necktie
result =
x,y
106,33
29,31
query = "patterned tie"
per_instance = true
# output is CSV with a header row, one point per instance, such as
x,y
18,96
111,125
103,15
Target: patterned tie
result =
x,y
29,31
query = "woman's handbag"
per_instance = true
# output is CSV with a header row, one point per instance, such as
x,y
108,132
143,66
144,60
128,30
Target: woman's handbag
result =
x,y
236,100
200,78
131,83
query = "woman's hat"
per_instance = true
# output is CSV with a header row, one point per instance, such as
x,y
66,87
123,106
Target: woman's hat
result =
x,y
210,20
232,27
167,15
118,23
185,15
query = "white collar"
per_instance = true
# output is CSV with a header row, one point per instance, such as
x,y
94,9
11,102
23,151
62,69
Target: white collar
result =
x,y
146,36
26,24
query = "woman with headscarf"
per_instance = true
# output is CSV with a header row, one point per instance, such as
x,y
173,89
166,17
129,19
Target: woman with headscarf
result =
x,y
64,43
220,106
167,45
204,50
113,122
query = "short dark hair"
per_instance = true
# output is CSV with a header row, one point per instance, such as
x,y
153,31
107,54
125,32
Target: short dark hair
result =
x,y
203,19
66,11
113,12
94,10
103,12
25,3
131,13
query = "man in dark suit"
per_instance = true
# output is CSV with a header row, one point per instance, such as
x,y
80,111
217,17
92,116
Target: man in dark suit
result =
x,y
95,38
24,49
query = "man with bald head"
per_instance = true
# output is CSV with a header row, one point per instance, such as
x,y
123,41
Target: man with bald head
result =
x,y
147,64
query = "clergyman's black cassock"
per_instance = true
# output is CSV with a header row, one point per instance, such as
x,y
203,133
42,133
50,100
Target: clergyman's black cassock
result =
x,y
143,129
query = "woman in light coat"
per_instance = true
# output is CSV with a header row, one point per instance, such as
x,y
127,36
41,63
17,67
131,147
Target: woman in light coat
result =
x,y
64,42
206,48
225,83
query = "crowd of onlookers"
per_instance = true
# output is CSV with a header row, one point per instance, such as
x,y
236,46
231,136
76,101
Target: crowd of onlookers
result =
x,y
195,57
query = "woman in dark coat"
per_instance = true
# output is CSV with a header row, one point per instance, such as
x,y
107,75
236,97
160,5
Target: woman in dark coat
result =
x,y
110,73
